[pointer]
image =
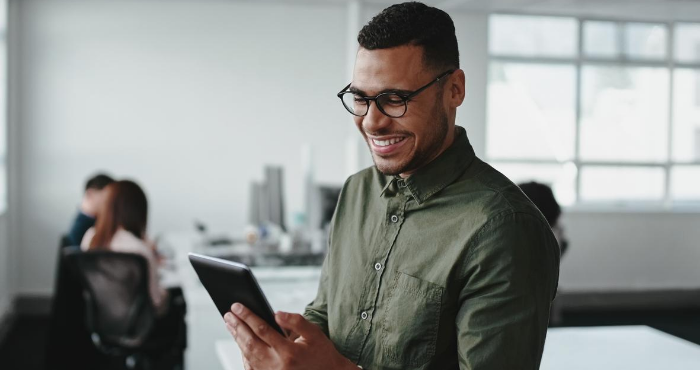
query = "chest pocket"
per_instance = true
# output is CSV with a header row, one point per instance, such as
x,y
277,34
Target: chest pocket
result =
x,y
410,326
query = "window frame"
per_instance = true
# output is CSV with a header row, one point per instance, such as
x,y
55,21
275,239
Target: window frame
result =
x,y
619,60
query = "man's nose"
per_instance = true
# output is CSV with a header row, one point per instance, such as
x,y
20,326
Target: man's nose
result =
x,y
375,120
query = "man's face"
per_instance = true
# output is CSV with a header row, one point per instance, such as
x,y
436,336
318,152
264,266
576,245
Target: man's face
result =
x,y
94,201
401,145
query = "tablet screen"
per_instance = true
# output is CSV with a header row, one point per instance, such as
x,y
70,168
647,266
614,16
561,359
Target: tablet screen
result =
x,y
230,282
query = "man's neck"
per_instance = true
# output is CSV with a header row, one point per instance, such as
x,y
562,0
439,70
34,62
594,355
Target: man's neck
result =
x,y
449,140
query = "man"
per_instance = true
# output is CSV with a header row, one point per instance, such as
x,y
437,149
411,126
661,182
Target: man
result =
x,y
92,203
436,260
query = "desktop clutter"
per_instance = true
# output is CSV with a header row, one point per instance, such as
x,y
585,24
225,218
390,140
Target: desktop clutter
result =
x,y
267,240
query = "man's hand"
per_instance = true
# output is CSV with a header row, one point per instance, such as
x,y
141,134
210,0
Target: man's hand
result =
x,y
263,348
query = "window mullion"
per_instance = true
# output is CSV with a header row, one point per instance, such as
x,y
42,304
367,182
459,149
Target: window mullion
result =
x,y
669,150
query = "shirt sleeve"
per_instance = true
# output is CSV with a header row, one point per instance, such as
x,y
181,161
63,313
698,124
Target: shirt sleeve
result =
x,y
80,225
158,294
317,311
510,279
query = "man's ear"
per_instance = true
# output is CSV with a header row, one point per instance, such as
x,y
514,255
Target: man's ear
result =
x,y
456,88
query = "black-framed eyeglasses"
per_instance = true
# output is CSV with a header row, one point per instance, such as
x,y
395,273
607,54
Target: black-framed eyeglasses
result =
x,y
392,104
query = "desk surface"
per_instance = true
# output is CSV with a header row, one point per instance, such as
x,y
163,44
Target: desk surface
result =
x,y
599,348
617,347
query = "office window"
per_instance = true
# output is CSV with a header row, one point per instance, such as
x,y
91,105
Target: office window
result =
x,y
533,36
622,183
687,43
685,185
686,115
624,114
532,111
610,117
601,39
645,41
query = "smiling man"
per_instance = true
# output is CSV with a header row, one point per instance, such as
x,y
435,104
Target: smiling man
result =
x,y
436,260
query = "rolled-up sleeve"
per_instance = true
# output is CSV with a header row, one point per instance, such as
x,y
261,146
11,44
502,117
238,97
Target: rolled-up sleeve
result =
x,y
509,280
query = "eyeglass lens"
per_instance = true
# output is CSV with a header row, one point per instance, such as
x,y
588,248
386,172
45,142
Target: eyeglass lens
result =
x,y
390,104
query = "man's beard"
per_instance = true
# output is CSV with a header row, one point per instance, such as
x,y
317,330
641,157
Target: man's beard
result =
x,y
435,141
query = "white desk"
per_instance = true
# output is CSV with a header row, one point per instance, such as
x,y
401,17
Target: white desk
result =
x,y
617,347
594,348
287,288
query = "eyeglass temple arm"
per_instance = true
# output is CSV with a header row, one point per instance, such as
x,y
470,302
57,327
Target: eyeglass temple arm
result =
x,y
440,77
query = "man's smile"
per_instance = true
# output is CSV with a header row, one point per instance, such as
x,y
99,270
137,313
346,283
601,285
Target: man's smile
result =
x,y
386,145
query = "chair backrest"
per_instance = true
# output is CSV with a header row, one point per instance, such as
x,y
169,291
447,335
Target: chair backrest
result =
x,y
119,309
65,242
68,334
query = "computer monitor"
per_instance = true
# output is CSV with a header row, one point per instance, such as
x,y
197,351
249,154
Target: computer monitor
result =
x,y
267,199
326,197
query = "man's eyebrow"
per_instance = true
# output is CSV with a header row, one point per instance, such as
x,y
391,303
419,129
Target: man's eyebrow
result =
x,y
357,91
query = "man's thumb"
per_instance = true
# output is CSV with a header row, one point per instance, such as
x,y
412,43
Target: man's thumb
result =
x,y
296,323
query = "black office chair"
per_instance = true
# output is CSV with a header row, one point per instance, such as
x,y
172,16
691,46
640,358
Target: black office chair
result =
x,y
68,345
119,312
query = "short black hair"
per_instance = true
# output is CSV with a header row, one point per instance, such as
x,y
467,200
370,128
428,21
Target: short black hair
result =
x,y
543,197
416,24
98,182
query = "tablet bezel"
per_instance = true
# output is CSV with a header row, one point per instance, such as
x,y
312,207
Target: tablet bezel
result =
x,y
235,275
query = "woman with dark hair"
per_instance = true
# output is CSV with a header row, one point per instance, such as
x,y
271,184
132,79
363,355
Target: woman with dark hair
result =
x,y
121,227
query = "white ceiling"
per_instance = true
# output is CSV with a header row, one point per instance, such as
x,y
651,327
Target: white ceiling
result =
x,y
667,10
664,10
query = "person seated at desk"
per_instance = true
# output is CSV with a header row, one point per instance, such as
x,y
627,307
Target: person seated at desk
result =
x,y
121,227
544,199
92,203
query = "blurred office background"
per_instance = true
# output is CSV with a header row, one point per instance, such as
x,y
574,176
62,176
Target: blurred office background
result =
x,y
199,100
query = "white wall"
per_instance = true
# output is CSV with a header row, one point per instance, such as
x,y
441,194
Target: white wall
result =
x,y
631,250
192,98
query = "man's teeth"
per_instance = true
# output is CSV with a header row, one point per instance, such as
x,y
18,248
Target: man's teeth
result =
x,y
387,142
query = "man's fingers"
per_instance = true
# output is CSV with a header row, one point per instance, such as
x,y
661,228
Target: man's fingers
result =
x,y
297,324
293,336
261,329
251,346
246,364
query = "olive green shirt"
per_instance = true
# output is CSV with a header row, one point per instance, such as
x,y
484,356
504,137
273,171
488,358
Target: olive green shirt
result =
x,y
450,268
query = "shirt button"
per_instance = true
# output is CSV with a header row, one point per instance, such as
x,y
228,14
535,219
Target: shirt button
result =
x,y
377,266
394,218
401,183
364,315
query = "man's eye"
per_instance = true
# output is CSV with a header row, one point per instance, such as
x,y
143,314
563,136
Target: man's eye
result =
x,y
359,100
392,100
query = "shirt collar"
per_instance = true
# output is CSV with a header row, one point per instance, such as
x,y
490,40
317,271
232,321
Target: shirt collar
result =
x,y
439,173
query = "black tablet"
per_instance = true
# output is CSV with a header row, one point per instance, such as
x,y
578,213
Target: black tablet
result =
x,y
229,282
